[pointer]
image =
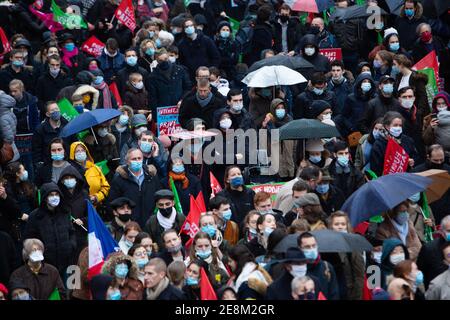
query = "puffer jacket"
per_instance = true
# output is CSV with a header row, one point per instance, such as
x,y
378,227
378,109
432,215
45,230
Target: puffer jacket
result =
x,y
8,121
98,185
132,289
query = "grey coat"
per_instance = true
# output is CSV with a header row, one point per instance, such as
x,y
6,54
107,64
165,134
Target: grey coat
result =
x,y
8,121
439,288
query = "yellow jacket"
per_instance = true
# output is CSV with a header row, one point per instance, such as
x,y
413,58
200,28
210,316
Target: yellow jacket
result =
x,y
98,185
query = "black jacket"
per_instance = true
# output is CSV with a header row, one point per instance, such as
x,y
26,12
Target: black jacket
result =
x,y
262,39
42,137
7,74
346,182
125,185
170,293
229,55
281,289
324,272
190,108
292,34
302,105
124,73
407,27
9,214
8,261
377,108
319,61
167,257
431,260
341,91
54,229
241,202
334,201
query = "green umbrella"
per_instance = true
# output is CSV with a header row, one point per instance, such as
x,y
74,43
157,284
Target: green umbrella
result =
x,y
307,129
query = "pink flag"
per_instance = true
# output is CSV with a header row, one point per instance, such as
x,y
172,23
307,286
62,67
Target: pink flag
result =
x,y
47,18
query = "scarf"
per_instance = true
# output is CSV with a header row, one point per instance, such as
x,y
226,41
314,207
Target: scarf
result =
x,y
67,55
166,223
204,102
107,104
180,177
401,229
153,293
250,270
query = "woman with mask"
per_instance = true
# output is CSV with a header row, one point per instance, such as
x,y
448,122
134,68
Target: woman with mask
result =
x,y
192,278
408,271
139,254
121,127
265,225
416,215
144,239
349,266
147,55
228,49
249,223
240,197
393,129
382,64
73,58
362,156
126,276
397,225
132,229
260,101
391,43
393,252
203,250
249,279
436,127
106,99
315,155
98,185
208,225
103,145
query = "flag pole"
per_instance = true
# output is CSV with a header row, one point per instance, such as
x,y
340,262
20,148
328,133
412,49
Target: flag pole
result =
x,y
73,219
93,133
112,18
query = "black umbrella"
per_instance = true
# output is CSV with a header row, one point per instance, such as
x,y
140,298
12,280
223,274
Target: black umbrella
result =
x,y
353,12
395,6
329,241
435,8
307,129
296,63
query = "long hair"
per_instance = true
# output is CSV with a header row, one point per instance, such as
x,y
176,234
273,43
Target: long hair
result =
x,y
23,186
215,258
242,255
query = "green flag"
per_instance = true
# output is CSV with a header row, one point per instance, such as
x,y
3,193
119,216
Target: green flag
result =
x,y
39,197
103,165
426,215
186,2
178,207
431,87
67,110
55,295
379,37
360,2
234,25
67,20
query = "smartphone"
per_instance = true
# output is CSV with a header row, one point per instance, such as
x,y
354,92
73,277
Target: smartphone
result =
x,y
434,116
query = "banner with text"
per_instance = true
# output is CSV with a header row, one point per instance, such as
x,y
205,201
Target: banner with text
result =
x,y
167,119
332,54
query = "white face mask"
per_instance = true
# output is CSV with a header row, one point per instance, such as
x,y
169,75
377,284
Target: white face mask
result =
x,y
326,116
397,258
237,107
172,59
53,201
225,123
310,51
377,256
298,270
407,103
138,85
36,256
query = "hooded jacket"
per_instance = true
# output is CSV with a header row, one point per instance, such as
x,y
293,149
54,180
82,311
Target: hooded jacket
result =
x,y
303,103
54,229
98,185
8,121
387,268
357,102
133,288
441,133
377,108
320,62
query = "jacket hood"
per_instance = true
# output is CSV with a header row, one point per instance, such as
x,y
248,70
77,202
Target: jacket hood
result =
x,y
274,104
6,101
309,39
46,189
71,171
84,77
357,86
74,145
99,286
417,15
116,258
388,246
444,95
219,114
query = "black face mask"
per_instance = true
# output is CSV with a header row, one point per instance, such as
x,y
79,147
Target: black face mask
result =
x,y
314,30
432,165
125,217
307,296
164,65
284,19
166,212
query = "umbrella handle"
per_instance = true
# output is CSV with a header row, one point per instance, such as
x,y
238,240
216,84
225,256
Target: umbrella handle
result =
x,y
95,137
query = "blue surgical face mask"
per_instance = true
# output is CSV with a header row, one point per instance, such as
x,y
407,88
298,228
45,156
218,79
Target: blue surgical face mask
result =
x,y
123,120
267,231
323,188
409,12
189,30
121,271
17,63
136,166
377,64
150,51
131,61
317,91
24,176
225,34
280,113
415,197
237,181
115,295
388,88
70,183
141,262
69,46
376,134
366,86
395,46
178,168
226,215
396,131
343,160
55,115
146,147
315,159
419,278
79,108
311,254
158,43
191,281
22,296
395,70
57,156
402,217
98,80
203,254
210,230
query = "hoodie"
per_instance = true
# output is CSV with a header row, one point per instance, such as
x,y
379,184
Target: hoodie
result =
x,y
320,62
387,268
444,95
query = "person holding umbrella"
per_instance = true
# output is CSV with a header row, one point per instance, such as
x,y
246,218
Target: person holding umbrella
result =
x,y
397,225
416,215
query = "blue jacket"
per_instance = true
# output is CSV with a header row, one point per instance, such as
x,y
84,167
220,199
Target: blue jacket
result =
x,y
324,272
27,113
341,91
110,66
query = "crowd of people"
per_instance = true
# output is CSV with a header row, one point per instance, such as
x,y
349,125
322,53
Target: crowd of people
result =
x,y
189,54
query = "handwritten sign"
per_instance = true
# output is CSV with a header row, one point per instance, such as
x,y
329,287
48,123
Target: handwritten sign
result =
x,y
93,46
167,118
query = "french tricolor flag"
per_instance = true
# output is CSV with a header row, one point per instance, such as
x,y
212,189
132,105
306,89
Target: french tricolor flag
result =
x,y
101,243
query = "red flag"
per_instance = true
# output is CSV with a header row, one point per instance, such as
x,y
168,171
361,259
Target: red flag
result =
x,y
321,296
201,202
93,46
429,61
5,43
125,14
190,225
367,293
47,19
215,185
206,290
115,91
395,158
361,228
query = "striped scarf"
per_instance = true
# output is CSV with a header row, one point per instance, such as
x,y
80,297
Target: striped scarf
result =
x,y
107,103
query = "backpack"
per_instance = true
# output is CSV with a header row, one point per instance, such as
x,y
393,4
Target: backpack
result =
x,y
244,35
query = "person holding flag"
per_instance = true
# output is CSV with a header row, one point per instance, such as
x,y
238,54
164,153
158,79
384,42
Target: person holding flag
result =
x,y
422,217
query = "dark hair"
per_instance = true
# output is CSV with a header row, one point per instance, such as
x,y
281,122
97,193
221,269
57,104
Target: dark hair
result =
x,y
310,172
404,89
130,49
57,140
302,236
11,174
227,171
318,77
215,71
233,92
217,201
134,248
141,236
167,232
390,116
241,254
403,60
172,49
261,220
337,63
300,185
48,103
386,56
263,13
371,138
274,238
434,147
112,43
340,145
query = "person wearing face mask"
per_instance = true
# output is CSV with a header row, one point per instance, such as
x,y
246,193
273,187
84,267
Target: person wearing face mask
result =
x,y
325,38
125,272
135,182
309,49
382,64
317,267
121,128
130,66
75,193
172,249
207,224
73,58
166,217
286,30
249,225
411,15
393,129
100,287
303,288
436,127
228,48
188,47
154,156
294,266
346,177
16,69
41,278
111,59
106,99
250,279
398,225
439,288
136,95
168,82
357,103
20,291
103,145
121,214
147,50
364,149
139,254
316,90
260,100
240,117
138,124
331,197
427,42
408,271
265,225
192,280
340,82
416,215
221,210
130,232
185,183
60,242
